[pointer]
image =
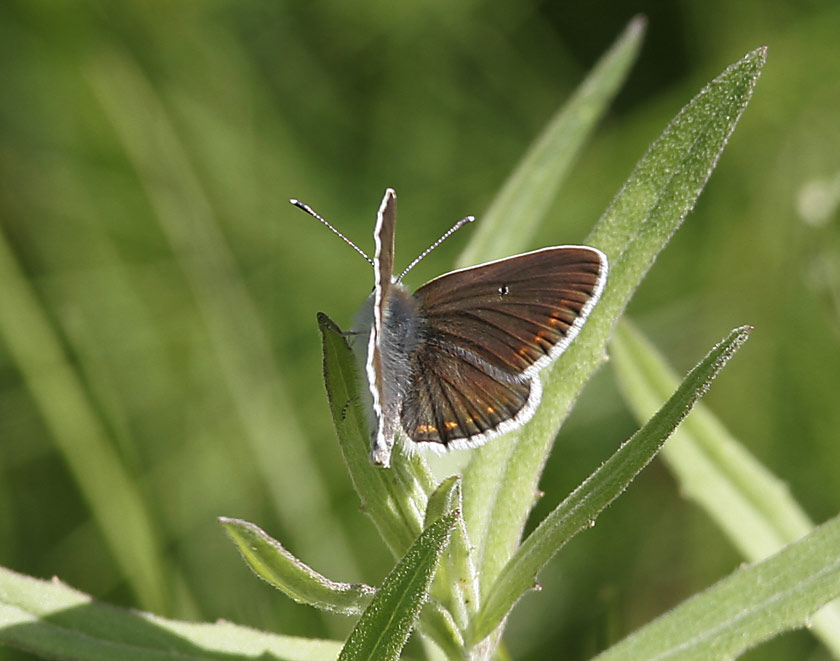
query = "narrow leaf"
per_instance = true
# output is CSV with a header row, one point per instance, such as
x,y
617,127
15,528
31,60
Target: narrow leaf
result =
x,y
749,607
273,563
456,583
394,498
444,499
383,629
51,619
753,508
501,480
437,625
522,202
580,509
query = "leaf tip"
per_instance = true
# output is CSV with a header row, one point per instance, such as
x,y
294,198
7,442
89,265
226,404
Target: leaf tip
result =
x,y
758,58
742,334
325,323
638,24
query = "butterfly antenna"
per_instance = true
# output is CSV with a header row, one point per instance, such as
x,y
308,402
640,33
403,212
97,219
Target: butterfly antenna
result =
x,y
448,233
311,212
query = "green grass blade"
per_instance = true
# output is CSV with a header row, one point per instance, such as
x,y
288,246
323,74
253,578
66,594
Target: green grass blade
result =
x,y
52,620
231,317
581,508
501,480
522,202
274,564
748,607
383,629
80,435
753,508
394,498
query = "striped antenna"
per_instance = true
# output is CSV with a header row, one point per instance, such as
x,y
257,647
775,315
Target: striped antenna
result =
x,y
309,210
446,235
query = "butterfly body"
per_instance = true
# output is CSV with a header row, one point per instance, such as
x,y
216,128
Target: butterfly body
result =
x,y
455,363
400,335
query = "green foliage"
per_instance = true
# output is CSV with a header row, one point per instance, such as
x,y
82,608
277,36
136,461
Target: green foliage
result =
x,y
383,629
56,621
271,562
395,500
749,607
581,508
158,365
749,504
502,477
521,204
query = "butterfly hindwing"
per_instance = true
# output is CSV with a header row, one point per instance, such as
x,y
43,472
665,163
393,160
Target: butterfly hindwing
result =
x,y
455,398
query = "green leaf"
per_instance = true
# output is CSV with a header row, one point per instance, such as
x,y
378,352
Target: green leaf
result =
x,y
456,583
383,629
273,563
394,498
581,508
501,479
50,619
751,505
522,202
444,499
749,607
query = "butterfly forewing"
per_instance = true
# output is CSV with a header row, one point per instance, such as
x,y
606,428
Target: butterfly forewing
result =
x,y
384,403
516,314
383,236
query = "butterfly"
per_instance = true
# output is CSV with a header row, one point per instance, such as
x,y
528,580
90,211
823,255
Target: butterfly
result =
x,y
456,363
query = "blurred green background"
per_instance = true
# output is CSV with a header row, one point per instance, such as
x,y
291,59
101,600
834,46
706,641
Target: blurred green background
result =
x,y
159,357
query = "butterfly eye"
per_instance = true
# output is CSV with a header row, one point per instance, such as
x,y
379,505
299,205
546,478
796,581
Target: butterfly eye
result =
x,y
504,290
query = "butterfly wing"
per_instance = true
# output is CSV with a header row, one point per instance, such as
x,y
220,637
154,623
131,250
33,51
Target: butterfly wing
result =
x,y
487,331
455,399
385,403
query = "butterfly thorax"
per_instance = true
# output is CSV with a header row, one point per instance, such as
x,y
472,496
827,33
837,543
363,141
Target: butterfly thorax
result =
x,y
402,331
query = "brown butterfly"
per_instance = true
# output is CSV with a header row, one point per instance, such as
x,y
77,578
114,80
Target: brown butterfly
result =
x,y
455,363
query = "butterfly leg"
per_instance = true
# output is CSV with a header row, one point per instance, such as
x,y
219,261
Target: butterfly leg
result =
x,y
347,406
380,454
